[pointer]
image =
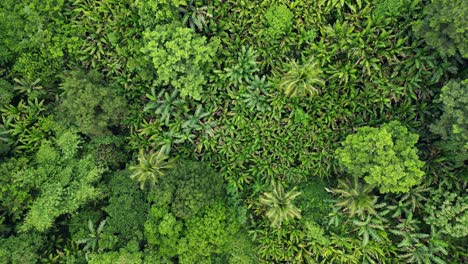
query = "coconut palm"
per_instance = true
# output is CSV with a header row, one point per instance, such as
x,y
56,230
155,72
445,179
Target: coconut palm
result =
x,y
355,198
151,166
279,205
301,79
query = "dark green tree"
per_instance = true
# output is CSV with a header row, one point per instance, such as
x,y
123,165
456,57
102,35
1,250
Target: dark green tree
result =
x,y
196,186
24,248
89,104
444,26
126,210
92,241
453,124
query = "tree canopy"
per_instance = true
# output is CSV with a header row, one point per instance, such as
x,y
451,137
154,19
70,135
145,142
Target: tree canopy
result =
x,y
233,131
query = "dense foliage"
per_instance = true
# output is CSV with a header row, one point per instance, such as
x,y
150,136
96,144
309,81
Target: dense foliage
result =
x,y
384,157
233,131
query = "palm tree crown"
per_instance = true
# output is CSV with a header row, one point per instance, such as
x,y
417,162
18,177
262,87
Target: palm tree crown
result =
x,y
355,198
151,166
279,204
301,80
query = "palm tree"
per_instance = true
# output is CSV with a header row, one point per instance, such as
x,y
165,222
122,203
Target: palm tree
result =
x,y
4,135
301,80
279,205
371,228
92,241
195,17
419,248
355,198
151,166
27,86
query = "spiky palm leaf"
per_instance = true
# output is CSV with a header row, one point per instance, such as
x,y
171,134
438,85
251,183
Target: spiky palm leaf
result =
x,y
302,80
279,205
151,166
92,241
4,135
355,198
195,17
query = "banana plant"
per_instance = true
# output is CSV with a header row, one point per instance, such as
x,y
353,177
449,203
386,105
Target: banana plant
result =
x,y
92,241
164,104
256,97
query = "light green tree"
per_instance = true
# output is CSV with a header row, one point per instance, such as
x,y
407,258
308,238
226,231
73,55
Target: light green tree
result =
x,y
385,157
64,181
279,21
447,212
180,57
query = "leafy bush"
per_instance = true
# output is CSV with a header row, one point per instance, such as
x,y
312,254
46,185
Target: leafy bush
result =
x,y
192,186
89,105
181,58
126,209
385,157
453,124
27,124
444,27
64,181
23,248
447,212
279,20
